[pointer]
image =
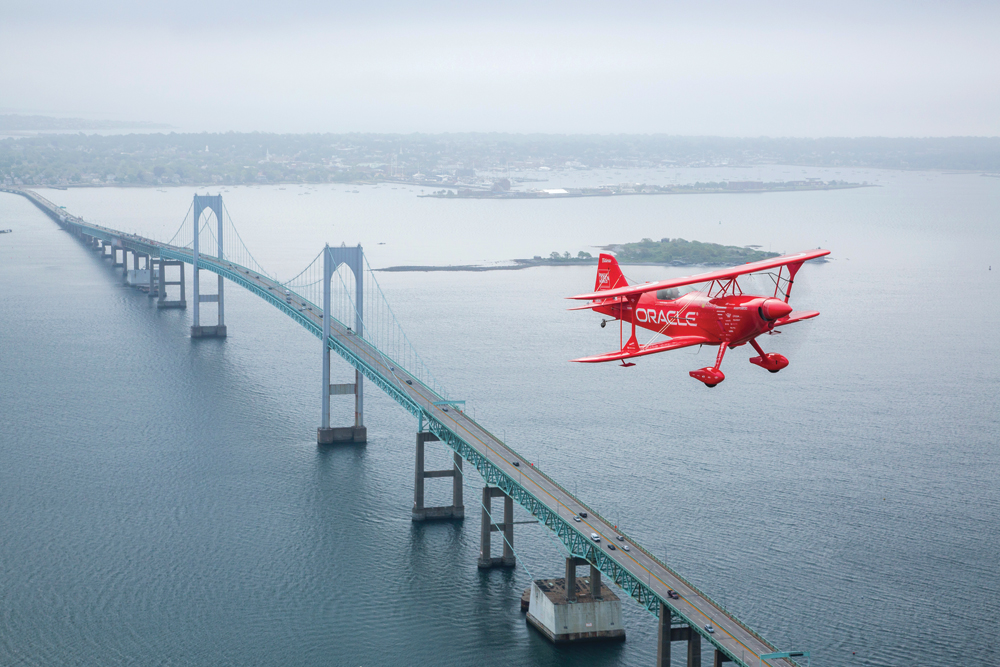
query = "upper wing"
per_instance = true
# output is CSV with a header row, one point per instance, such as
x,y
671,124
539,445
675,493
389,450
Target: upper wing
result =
x,y
722,274
653,348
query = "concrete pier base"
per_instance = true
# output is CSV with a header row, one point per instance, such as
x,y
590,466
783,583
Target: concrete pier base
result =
x,y
341,435
137,277
563,620
217,331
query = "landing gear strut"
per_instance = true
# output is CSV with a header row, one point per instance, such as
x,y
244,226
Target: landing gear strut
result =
x,y
771,362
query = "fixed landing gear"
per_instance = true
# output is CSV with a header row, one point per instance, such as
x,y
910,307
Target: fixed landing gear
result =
x,y
711,375
604,323
770,362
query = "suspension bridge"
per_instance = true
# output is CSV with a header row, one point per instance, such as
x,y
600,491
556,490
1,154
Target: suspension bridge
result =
x,y
337,299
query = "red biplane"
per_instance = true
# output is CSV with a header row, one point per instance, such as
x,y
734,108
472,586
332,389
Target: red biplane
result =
x,y
722,314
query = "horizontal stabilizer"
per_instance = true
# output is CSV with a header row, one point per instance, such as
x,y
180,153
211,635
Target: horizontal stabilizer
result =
x,y
653,348
796,316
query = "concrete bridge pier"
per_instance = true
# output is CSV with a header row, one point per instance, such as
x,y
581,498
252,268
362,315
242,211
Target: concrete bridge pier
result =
x,y
457,508
135,266
486,559
213,202
162,301
114,257
154,276
133,277
595,578
666,634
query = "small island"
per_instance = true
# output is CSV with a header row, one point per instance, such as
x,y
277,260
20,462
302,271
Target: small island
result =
x,y
665,252
679,252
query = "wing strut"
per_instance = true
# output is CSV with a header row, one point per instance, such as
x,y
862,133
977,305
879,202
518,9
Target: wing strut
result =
x,y
632,346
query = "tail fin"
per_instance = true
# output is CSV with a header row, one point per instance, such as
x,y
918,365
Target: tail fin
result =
x,y
609,274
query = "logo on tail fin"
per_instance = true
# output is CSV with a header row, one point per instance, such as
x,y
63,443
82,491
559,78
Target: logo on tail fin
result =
x,y
609,275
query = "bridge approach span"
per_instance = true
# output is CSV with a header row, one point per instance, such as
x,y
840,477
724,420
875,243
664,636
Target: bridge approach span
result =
x,y
637,572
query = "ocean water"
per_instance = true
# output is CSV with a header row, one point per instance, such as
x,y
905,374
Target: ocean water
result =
x,y
163,500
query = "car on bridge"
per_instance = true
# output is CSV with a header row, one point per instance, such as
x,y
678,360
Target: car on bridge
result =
x,y
595,537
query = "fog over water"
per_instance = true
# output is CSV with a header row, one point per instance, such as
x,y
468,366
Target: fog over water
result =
x,y
165,502
712,68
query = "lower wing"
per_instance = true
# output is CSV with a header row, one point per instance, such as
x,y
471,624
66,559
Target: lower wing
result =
x,y
796,316
653,348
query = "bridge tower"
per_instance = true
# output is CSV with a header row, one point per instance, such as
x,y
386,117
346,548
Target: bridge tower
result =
x,y
354,258
214,203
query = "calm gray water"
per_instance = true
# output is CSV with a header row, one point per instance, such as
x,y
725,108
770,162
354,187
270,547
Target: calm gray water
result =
x,y
163,501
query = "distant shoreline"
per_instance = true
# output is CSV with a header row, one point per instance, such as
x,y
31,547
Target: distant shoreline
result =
x,y
529,263
696,189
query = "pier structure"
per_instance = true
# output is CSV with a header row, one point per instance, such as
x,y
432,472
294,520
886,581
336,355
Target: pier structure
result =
x,y
422,513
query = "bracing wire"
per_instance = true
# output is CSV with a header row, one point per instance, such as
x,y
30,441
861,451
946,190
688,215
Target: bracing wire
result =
x,y
381,329
252,262
303,271
183,223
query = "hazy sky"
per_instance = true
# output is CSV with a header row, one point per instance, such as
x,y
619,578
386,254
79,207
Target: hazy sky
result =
x,y
718,68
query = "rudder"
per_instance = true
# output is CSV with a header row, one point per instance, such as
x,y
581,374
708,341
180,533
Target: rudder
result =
x,y
609,274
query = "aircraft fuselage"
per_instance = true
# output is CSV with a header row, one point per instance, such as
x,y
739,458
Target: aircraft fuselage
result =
x,y
733,320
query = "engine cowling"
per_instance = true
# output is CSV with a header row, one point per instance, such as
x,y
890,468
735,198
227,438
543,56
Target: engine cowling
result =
x,y
773,309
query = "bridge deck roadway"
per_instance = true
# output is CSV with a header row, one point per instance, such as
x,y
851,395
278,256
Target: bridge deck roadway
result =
x,y
729,633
